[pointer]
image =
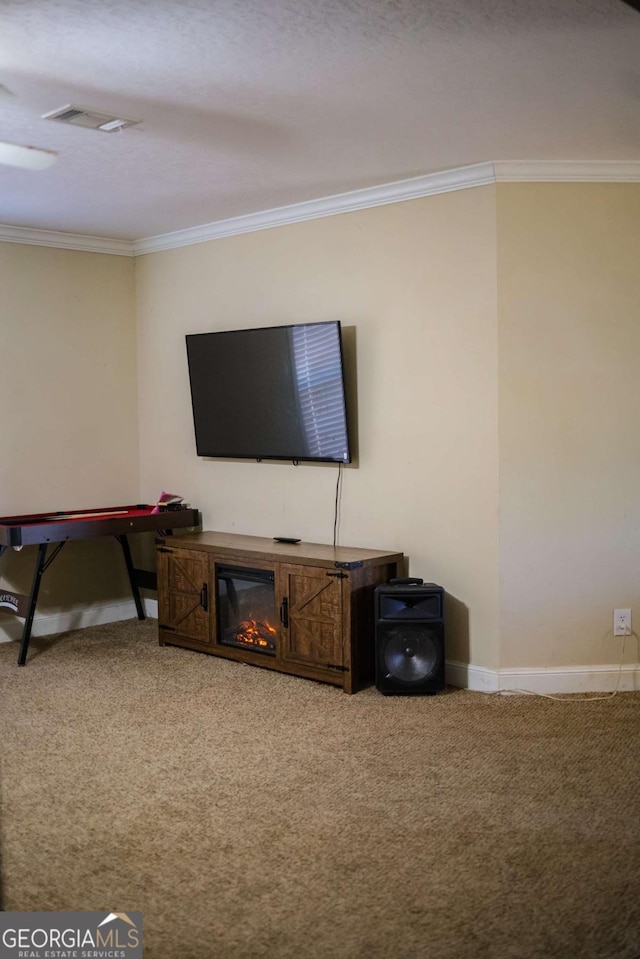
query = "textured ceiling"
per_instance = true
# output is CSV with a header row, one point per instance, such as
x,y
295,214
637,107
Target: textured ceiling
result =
x,y
248,105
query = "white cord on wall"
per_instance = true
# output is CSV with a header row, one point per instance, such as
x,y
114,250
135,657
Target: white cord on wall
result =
x,y
573,697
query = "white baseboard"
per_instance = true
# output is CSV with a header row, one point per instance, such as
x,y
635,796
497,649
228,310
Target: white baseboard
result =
x,y
78,618
151,608
563,679
466,676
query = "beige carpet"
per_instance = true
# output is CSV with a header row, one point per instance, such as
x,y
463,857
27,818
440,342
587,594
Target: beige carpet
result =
x,y
250,814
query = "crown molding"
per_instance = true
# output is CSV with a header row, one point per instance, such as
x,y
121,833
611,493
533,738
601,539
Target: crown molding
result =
x,y
66,241
567,171
445,181
462,178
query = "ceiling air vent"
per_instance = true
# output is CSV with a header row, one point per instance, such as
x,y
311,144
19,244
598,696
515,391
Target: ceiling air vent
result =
x,y
81,117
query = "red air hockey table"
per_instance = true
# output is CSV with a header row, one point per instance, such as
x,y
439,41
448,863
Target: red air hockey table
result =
x,y
56,529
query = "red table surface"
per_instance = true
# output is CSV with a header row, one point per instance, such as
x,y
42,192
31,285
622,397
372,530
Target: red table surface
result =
x,y
57,527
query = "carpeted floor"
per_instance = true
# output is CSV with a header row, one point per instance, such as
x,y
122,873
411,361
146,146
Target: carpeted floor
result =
x,y
249,814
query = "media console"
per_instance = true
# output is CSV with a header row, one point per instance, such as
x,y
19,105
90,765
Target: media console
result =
x,y
303,608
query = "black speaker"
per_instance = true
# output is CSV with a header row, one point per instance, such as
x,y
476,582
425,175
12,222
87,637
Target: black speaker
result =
x,y
409,621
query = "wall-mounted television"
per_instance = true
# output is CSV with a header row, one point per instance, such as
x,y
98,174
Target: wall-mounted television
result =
x,y
275,392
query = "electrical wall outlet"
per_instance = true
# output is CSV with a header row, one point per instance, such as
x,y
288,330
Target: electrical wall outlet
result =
x,y
622,622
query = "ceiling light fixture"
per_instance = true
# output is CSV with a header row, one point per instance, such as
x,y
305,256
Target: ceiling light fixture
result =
x,y
27,158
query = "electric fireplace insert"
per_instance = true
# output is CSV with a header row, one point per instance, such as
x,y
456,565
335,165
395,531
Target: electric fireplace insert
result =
x,y
246,608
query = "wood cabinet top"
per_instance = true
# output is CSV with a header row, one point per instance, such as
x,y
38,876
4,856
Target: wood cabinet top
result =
x,y
264,548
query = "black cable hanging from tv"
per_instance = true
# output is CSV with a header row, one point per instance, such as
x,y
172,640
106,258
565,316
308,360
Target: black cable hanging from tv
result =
x,y
335,512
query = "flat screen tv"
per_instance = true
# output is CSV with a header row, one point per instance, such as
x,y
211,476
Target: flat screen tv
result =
x,y
271,393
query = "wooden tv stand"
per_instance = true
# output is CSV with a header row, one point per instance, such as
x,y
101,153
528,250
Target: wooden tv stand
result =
x,y
322,595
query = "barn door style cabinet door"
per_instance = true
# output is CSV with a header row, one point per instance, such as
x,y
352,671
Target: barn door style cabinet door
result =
x,y
312,617
305,609
183,600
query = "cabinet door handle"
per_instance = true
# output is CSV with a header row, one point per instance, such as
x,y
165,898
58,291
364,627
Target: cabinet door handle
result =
x,y
204,597
284,612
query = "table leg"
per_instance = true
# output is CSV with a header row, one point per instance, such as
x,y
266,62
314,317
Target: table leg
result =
x,y
124,542
33,599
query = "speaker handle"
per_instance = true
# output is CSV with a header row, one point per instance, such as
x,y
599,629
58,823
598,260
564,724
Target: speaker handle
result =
x,y
409,581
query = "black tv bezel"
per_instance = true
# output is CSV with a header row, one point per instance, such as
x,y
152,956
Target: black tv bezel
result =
x,y
268,456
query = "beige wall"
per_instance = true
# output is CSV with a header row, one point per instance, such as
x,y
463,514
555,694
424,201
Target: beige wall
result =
x,y
569,347
414,285
492,339
68,430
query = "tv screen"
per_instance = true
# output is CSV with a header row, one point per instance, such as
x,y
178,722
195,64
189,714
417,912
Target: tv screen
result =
x,y
270,393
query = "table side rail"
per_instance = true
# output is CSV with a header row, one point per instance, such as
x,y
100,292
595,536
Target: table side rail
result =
x,y
56,531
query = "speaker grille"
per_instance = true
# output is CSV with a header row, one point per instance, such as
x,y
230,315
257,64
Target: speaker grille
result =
x,y
411,654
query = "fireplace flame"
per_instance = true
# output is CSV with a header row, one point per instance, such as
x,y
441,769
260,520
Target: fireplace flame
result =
x,y
252,632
